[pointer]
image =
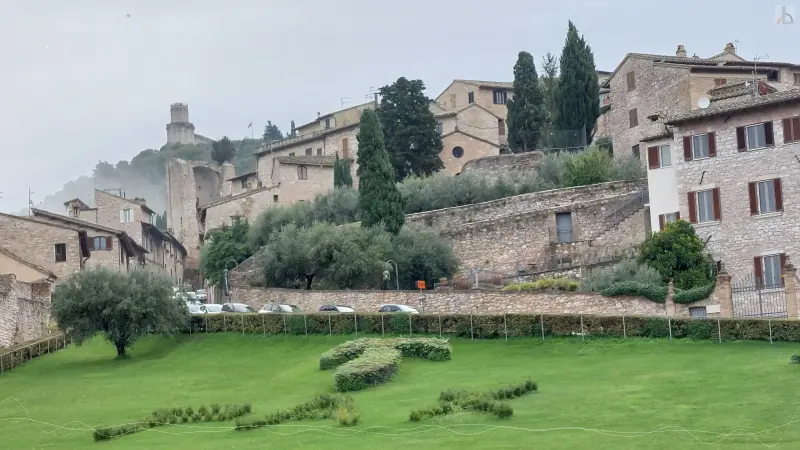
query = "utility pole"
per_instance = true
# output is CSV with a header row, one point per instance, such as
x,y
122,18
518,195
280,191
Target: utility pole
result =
x,y
30,202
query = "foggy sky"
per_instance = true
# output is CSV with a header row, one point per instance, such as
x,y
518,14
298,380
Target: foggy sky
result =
x,y
81,82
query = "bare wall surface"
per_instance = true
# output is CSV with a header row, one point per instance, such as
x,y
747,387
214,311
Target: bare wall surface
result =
x,y
24,310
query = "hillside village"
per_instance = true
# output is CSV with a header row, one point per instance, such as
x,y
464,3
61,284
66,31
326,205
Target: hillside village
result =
x,y
551,259
691,121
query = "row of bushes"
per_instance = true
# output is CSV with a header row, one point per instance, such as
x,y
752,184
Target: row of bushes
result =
x,y
323,406
367,362
543,284
493,326
172,416
658,293
487,402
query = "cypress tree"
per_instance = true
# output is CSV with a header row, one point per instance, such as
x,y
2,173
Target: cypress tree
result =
x,y
527,111
379,198
341,173
578,88
410,129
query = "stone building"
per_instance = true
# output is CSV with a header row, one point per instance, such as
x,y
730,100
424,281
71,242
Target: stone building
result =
x,y
24,310
134,224
180,130
24,270
732,170
645,89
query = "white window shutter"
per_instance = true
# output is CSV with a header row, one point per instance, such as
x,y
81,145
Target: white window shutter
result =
x,y
122,216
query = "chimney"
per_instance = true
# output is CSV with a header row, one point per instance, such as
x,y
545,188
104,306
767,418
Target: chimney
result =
x,y
681,52
140,201
318,114
730,49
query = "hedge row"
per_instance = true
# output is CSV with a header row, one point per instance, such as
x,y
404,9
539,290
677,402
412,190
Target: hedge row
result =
x,y
493,326
543,284
323,406
488,402
173,416
18,354
658,293
367,362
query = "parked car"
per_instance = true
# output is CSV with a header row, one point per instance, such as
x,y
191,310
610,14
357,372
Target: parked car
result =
x,y
405,309
194,308
336,308
237,308
191,295
211,309
273,308
202,295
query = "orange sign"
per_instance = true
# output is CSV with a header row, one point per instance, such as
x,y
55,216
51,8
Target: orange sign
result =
x,y
420,284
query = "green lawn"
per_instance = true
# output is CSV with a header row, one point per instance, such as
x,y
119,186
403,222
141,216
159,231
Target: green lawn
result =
x,y
595,395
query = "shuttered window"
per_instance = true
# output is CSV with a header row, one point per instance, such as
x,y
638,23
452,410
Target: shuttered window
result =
x,y
633,117
659,156
756,136
664,219
791,129
768,270
704,206
631,79
700,146
765,196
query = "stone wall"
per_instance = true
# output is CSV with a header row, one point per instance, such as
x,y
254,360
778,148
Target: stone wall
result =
x,y
248,205
24,310
449,218
35,241
501,164
471,147
458,302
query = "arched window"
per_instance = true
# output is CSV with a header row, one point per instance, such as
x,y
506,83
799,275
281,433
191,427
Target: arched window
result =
x,y
302,173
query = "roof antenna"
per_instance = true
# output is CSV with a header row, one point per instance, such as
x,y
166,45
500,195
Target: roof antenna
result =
x,y
755,71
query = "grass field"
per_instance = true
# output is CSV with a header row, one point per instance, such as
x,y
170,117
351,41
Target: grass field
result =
x,y
595,395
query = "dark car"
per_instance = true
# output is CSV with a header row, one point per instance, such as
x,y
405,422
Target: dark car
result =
x,y
336,308
237,308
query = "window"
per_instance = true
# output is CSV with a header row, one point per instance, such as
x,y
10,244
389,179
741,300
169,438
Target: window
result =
x,y
704,206
719,82
291,154
755,136
633,117
501,127
631,78
659,156
61,252
302,173
471,97
797,79
664,219
768,270
635,151
765,196
126,216
309,151
275,198
791,129
327,123
244,183
319,152
700,146
458,152
345,149
500,97
100,243
698,311
440,127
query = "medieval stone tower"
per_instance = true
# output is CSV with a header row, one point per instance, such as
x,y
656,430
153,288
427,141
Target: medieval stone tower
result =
x,y
179,129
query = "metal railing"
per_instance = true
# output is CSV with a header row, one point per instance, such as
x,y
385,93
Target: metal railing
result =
x,y
18,355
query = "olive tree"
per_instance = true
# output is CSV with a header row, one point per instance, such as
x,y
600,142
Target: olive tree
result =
x,y
121,305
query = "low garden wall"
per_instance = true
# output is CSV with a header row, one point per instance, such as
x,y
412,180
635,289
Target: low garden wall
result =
x,y
460,302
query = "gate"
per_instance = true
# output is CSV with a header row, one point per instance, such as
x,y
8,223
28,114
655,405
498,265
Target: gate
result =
x,y
751,298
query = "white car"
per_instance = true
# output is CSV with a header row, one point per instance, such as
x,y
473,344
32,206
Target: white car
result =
x,y
194,309
398,309
336,308
210,309
272,308
202,295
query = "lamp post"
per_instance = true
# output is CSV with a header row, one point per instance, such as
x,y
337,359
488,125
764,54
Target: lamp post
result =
x,y
226,291
396,276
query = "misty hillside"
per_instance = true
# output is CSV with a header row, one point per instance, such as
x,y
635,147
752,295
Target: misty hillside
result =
x,y
143,176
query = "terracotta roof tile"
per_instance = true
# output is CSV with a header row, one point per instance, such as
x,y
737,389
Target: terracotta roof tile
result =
x,y
738,105
307,160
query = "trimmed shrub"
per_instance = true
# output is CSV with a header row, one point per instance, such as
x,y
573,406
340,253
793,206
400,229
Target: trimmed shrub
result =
x,y
376,365
368,361
794,359
543,284
487,402
628,270
694,294
652,292
323,406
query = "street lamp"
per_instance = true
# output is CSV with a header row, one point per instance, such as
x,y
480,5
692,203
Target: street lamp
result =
x,y
396,276
226,291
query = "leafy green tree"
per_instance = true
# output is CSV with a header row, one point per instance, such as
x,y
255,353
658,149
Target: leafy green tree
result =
x,y
410,130
123,306
549,80
222,150
341,173
224,248
590,167
379,199
421,255
578,87
527,112
605,143
678,253
271,133
161,221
